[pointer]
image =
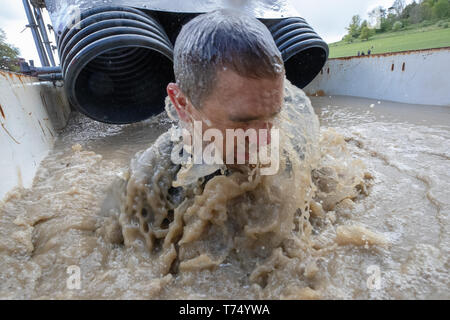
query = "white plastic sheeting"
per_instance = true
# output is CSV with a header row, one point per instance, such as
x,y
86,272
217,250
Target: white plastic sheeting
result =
x,y
264,9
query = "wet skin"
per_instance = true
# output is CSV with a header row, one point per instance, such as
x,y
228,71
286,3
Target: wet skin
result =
x,y
235,102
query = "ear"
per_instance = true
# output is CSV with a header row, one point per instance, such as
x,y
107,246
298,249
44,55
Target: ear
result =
x,y
179,101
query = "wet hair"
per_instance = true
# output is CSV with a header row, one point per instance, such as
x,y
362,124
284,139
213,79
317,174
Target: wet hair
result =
x,y
223,38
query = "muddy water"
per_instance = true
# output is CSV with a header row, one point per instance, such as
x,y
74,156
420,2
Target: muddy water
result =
x,y
360,213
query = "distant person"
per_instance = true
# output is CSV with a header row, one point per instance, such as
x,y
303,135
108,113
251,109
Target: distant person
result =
x,y
359,53
363,54
368,52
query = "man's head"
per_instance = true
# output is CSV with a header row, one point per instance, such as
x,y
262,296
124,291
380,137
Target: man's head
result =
x,y
229,72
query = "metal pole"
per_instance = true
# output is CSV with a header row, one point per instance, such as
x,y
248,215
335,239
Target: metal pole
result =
x,y
51,77
47,43
37,37
48,70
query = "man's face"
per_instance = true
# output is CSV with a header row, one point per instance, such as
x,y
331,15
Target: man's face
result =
x,y
235,103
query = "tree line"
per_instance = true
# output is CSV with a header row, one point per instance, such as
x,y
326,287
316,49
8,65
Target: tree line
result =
x,y
397,17
8,54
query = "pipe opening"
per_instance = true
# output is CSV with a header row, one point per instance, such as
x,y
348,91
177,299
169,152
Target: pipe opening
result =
x,y
104,96
116,63
304,52
303,67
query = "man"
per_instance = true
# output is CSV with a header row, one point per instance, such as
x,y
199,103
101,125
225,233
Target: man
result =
x,y
229,75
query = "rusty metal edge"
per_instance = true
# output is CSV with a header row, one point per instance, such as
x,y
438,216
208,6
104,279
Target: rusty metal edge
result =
x,y
19,76
388,54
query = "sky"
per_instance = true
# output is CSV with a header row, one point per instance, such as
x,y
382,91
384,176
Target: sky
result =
x,y
328,18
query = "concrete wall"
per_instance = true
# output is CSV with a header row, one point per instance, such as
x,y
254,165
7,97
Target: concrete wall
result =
x,y
416,77
31,112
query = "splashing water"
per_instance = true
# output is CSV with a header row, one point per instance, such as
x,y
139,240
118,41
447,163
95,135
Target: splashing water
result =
x,y
311,231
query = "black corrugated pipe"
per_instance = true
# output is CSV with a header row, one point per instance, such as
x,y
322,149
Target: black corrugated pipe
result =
x,y
116,64
304,52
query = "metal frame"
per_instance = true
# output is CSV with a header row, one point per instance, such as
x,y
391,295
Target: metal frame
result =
x,y
40,36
